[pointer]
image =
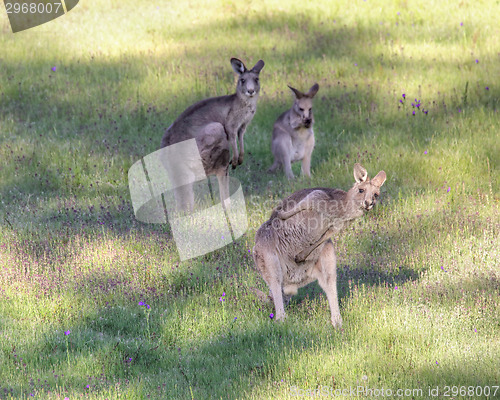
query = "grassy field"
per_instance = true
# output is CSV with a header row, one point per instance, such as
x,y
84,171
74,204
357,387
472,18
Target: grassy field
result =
x,y
84,97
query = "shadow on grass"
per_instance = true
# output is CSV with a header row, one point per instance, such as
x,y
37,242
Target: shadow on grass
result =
x,y
175,355
234,357
122,132
81,98
229,363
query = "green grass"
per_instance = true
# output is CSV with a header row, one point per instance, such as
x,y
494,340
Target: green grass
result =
x,y
419,279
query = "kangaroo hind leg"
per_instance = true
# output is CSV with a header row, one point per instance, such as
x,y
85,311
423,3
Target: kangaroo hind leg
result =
x,y
269,267
325,271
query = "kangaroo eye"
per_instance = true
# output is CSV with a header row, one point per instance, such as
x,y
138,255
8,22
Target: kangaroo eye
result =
x,y
301,109
256,80
242,81
361,190
376,195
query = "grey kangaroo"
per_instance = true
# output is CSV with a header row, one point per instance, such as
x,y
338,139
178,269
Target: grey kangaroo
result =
x,y
217,124
294,247
293,135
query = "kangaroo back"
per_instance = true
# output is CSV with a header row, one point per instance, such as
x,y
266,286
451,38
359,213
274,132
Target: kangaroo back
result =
x,y
320,212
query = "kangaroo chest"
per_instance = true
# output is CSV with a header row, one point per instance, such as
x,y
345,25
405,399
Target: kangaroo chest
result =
x,y
302,143
241,116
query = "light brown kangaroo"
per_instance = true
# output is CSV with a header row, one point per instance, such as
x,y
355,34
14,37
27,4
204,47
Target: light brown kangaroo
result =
x,y
217,124
293,135
294,248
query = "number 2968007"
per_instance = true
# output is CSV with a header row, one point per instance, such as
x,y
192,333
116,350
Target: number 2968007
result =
x,y
33,8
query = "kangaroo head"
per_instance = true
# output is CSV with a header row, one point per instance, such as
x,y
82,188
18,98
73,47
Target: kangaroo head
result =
x,y
302,106
365,191
248,80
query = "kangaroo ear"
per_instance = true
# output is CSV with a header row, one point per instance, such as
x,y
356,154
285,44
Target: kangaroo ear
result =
x,y
298,93
312,92
360,173
238,66
379,179
258,67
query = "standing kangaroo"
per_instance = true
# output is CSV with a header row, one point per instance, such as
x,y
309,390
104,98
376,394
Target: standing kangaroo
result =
x,y
293,136
217,124
294,247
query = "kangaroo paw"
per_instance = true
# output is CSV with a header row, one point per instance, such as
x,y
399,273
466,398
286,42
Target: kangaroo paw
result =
x,y
299,258
281,215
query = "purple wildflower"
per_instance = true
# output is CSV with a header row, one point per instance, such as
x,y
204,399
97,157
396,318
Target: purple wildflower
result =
x,y
448,191
66,333
271,315
404,96
141,303
425,152
54,69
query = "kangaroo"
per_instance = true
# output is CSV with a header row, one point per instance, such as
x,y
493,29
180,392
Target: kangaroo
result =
x,y
217,124
293,136
294,247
